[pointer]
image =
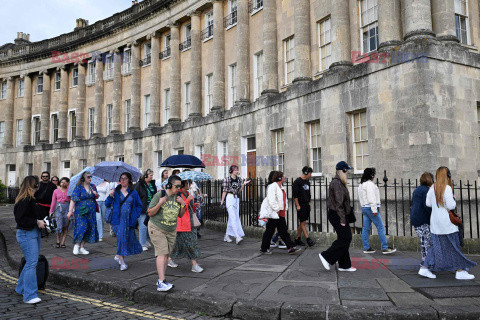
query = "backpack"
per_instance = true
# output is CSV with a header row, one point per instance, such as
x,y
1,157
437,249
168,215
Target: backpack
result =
x,y
145,222
42,271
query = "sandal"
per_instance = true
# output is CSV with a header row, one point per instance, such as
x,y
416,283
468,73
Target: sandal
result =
x,y
58,245
63,246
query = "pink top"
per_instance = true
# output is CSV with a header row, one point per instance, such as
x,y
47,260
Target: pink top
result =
x,y
58,197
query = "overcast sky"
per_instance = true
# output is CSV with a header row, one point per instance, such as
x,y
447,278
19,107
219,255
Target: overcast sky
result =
x,y
44,19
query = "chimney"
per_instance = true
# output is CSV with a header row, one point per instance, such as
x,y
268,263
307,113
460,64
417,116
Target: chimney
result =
x,y
22,38
81,23
134,2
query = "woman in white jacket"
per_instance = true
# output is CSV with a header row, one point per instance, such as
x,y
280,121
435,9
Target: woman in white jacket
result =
x,y
369,197
445,254
277,202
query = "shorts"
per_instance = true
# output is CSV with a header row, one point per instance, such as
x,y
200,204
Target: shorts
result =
x,y
162,241
304,213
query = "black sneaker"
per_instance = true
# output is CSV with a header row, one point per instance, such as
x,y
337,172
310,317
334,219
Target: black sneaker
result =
x,y
282,245
299,242
310,242
369,250
294,250
266,252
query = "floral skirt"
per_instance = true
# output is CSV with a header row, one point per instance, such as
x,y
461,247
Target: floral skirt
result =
x,y
186,246
61,212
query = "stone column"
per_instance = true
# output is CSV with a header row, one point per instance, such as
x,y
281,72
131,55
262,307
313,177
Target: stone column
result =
x,y
443,19
389,24
45,111
196,67
270,51
81,95
117,91
135,101
155,82
418,19
9,112
218,57
99,98
340,29
27,111
63,110
175,76
243,52
303,68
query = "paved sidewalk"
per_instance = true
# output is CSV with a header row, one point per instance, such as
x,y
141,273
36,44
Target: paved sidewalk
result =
x,y
240,282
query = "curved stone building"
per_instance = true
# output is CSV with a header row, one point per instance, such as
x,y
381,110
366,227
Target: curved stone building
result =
x,y
392,84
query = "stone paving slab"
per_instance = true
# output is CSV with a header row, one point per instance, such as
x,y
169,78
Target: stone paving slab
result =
x,y
450,292
311,293
409,299
394,285
363,294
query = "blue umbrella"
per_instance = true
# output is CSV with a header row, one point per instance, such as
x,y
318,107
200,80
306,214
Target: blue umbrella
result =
x,y
183,161
111,170
75,179
192,175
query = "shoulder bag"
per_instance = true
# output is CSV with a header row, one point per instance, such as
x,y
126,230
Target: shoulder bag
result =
x,y
452,214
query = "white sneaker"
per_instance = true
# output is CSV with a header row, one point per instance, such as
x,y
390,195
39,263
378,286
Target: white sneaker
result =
x,y
273,244
197,268
145,248
163,286
83,251
172,264
282,245
100,240
464,275
426,273
123,266
148,244
227,238
325,263
351,269
76,249
238,240
33,301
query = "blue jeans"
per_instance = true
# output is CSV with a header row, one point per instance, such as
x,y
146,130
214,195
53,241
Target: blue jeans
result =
x,y
29,241
199,212
100,216
368,218
142,230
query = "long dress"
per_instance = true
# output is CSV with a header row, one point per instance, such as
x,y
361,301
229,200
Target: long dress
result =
x,y
186,243
124,220
85,228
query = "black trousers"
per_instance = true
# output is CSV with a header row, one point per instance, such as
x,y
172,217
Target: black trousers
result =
x,y
338,251
281,226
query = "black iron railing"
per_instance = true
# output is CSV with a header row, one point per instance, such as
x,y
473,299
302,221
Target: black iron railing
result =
x,y
146,61
230,20
185,44
255,5
396,197
165,53
207,32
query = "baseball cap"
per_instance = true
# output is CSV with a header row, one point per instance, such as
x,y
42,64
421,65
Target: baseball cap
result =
x,y
342,165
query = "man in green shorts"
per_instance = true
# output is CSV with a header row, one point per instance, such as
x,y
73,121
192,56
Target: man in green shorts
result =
x,y
162,227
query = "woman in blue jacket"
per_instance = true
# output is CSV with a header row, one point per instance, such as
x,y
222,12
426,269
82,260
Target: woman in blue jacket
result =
x,y
126,208
420,213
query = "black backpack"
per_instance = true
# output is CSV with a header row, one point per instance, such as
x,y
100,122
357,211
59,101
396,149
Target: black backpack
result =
x,y
42,271
163,194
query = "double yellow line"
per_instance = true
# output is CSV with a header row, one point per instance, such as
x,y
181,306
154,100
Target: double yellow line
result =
x,y
98,303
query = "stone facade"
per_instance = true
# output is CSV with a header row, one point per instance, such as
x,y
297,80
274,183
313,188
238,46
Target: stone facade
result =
x,y
416,115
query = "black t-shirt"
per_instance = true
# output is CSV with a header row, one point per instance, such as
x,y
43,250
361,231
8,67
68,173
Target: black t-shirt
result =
x,y
235,184
26,213
301,191
44,193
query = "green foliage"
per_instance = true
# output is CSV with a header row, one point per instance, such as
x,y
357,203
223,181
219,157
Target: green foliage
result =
x,y
3,192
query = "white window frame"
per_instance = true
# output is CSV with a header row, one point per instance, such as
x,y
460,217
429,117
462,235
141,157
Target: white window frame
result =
x,y
91,122
462,15
187,99
232,7
71,135
222,150
121,158
199,152
74,77
324,43
2,133
39,86
166,104
139,160
368,25
147,52
279,139
83,163
21,88
187,32
362,141
208,93
91,71
108,74
147,110
3,90
57,84
159,159
109,122
208,23
258,74
127,62
232,84
19,126
35,132
314,147
28,169
127,105
54,131
289,47
259,7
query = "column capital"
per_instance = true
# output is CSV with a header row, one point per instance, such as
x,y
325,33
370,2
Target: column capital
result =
x,y
194,12
155,34
173,24
10,78
148,36
44,72
135,43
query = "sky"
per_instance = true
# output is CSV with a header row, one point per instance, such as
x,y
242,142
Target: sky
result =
x,y
44,19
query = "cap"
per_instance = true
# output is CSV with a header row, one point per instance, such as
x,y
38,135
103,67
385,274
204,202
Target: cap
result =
x,y
342,165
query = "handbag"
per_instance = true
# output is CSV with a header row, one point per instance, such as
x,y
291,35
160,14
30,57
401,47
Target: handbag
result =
x,y
196,222
266,212
454,218
83,211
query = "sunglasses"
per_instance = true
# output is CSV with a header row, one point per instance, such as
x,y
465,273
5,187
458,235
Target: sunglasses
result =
x,y
54,180
45,177
177,186
89,177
